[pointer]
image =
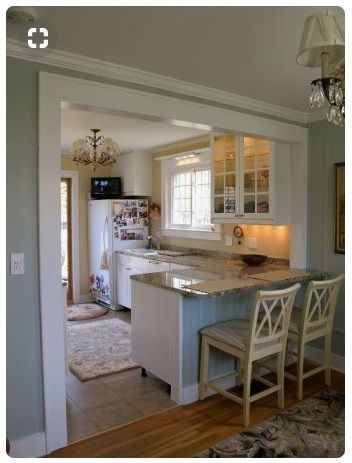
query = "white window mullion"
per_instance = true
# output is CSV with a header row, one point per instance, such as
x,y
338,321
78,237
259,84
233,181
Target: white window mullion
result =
x,y
193,201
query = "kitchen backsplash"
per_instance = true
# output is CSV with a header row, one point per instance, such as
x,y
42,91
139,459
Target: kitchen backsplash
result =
x,y
273,241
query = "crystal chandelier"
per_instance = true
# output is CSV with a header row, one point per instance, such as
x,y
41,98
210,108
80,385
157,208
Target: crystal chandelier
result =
x,y
323,44
95,150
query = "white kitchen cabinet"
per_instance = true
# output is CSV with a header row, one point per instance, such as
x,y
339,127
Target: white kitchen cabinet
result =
x,y
135,170
127,266
249,180
131,265
123,294
157,333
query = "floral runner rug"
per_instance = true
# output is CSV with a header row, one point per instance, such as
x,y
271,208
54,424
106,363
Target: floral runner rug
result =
x,y
99,348
312,428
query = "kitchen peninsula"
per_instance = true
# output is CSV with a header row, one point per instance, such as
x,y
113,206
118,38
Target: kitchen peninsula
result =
x,y
170,307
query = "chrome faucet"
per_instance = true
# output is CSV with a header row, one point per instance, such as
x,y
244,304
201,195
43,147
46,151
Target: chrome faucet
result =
x,y
155,240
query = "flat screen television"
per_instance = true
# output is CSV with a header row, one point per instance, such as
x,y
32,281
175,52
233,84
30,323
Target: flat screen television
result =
x,y
105,187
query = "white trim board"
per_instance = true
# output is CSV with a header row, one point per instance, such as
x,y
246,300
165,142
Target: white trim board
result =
x,y
74,176
317,355
63,59
53,89
32,446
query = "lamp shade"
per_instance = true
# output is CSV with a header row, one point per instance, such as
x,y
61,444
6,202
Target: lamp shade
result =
x,y
322,32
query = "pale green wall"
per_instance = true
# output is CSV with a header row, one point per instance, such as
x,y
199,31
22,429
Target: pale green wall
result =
x,y
326,147
23,366
24,372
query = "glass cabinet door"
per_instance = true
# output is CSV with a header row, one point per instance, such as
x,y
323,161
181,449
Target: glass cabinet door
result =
x,y
225,174
256,176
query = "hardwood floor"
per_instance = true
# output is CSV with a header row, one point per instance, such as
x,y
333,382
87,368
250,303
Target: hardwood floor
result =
x,y
186,430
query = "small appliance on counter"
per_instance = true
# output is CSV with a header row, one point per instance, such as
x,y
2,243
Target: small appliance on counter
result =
x,y
106,187
113,225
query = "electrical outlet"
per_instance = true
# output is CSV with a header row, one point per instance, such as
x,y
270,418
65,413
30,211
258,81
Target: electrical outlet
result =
x,y
252,243
17,264
228,240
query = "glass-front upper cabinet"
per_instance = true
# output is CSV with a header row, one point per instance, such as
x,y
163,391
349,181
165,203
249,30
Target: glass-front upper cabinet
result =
x,y
256,176
242,178
225,164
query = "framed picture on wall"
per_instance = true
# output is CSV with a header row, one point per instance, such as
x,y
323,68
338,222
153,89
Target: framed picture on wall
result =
x,y
340,208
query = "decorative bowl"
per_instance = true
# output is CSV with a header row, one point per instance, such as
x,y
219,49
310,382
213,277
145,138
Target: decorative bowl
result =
x,y
253,259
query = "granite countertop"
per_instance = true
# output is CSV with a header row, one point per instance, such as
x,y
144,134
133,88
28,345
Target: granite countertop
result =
x,y
211,277
215,262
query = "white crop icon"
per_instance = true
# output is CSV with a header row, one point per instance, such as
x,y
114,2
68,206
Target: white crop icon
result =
x,y
42,30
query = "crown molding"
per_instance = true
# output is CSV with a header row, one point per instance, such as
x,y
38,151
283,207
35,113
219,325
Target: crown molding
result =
x,y
316,116
67,60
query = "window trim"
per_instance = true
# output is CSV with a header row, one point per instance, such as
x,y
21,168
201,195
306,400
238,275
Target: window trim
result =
x,y
177,164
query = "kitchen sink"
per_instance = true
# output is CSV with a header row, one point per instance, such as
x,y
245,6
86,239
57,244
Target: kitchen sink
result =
x,y
167,252
157,252
146,252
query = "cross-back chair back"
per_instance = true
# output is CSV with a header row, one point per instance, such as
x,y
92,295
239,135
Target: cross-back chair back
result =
x,y
268,330
320,303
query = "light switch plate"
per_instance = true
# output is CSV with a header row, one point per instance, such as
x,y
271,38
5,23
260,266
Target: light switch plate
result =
x,y
252,243
228,240
17,264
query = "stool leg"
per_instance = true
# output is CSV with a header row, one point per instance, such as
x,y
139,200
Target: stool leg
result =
x,y
246,392
203,375
281,379
239,378
300,363
327,359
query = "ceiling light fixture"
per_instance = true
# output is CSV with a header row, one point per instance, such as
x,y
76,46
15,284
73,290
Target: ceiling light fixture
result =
x,y
323,44
95,151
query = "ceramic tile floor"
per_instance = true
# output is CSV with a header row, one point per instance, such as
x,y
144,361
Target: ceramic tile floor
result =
x,y
103,403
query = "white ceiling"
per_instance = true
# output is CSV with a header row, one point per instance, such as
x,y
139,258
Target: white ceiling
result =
x,y
249,51
131,134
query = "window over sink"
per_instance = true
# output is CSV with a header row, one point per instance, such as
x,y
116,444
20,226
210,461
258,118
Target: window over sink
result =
x,y
186,196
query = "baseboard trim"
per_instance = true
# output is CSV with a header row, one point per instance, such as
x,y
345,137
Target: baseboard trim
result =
x,y
317,355
190,393
32,446
84,298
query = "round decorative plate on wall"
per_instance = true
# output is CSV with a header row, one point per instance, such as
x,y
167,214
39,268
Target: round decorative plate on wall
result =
x,y
238,231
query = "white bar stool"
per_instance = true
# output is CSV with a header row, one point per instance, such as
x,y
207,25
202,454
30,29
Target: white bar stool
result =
x,y
248,341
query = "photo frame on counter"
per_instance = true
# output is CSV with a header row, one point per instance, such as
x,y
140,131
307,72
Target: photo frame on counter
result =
x,y
340,208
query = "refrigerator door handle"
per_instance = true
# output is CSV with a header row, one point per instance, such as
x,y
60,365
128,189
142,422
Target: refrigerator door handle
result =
x,y
104,259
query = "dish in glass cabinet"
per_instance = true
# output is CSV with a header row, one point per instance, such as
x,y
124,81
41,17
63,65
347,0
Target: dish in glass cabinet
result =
x,y
253,259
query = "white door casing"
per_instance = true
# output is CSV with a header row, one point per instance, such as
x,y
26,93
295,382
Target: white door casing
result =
x,y
53,90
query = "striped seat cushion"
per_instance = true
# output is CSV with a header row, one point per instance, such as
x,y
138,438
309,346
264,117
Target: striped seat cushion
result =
x,y
234,333
295,320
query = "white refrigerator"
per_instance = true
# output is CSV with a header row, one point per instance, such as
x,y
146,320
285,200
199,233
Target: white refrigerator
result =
x,y
113,224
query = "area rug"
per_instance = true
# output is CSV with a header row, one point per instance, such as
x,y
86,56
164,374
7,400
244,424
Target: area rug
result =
x,y
313,428
85,311
99,348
